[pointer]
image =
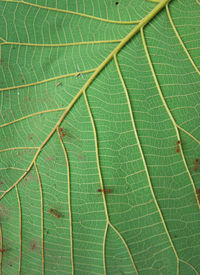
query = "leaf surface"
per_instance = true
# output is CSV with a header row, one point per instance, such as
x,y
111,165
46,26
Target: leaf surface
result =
x,y
100,95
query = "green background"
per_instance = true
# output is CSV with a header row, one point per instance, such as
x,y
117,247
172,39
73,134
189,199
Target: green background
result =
x,y
119,132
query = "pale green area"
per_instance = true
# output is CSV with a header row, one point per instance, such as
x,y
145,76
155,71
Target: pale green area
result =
x,y
152,207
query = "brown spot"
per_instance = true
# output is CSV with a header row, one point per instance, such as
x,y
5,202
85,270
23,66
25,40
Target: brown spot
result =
x,y
30,176
68,134
30,137
27,178
59,84
33,245
55,213
1,182
23,78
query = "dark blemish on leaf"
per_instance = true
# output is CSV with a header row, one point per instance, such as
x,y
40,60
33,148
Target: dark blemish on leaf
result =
x,y
59,84
61,130
9,264
30,137
3,250
104,190
1,182
33,245
29,177
23,78
198,194
116,3
54,213
177,148
196,164
47,231
67,133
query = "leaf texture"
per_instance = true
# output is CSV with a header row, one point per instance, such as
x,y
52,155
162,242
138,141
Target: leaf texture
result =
x,y
100,95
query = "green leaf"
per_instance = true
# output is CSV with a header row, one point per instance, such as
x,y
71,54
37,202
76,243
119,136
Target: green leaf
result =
x,y
100,95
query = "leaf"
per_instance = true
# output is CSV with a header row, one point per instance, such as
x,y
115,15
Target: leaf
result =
x,y
100,95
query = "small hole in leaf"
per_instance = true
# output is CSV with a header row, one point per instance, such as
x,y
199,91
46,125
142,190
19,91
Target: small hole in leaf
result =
x,y
116,3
